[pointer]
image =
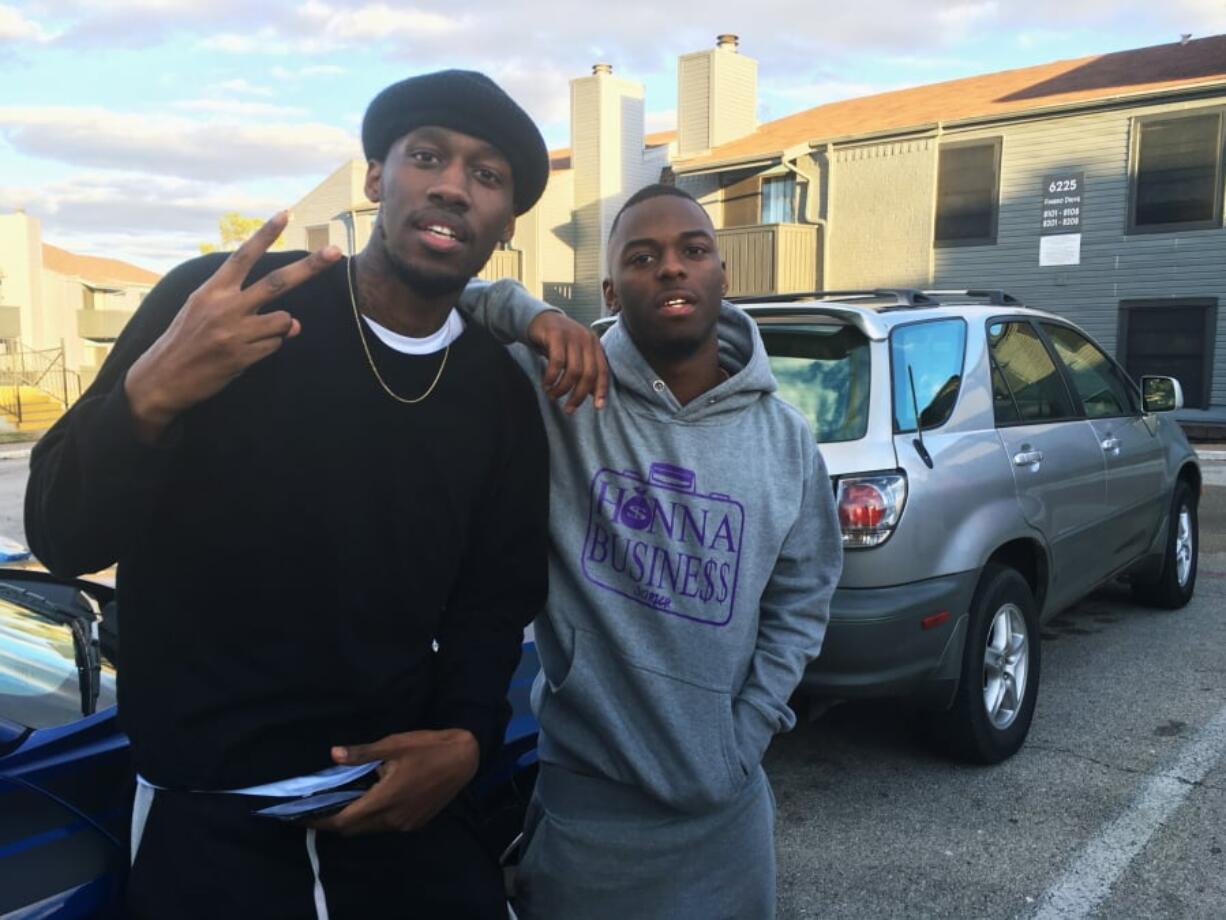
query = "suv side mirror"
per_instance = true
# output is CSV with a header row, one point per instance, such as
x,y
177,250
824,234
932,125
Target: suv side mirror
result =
x,y
1161,394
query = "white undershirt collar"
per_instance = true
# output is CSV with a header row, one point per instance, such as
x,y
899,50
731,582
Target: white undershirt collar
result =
x,y
447,333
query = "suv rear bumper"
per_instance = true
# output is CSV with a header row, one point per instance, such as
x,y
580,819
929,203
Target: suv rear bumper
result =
x,y
876,646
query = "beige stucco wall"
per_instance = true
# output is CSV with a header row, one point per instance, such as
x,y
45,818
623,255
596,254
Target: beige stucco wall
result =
x,y
544,235
340,192
708,192
21,261
881,199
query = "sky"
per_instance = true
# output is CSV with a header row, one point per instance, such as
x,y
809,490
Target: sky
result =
x,y
129,126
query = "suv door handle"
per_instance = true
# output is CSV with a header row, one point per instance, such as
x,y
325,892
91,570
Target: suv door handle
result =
x,y
1028,458
1111,444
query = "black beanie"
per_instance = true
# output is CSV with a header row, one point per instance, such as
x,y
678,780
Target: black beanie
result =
x,y
468,102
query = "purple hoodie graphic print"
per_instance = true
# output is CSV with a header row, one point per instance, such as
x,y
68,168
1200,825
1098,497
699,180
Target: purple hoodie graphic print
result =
x,y
660,542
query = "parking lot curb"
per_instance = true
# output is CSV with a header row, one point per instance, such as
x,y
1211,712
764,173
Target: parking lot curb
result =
x,y
1214,455
24,452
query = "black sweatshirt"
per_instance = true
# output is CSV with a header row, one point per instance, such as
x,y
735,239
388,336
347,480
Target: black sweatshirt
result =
x,y
293,547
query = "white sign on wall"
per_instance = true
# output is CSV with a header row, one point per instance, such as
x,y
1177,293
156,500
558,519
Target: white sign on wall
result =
x,y
1060,224
1064,249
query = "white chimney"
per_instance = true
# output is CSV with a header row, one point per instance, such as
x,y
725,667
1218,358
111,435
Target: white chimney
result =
x,y
606,129
717,96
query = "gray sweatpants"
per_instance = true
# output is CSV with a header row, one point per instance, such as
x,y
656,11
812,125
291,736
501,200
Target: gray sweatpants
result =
x,y
597,849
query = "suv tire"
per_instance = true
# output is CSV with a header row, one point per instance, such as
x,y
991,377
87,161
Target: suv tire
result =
x,y
1173,586
992,708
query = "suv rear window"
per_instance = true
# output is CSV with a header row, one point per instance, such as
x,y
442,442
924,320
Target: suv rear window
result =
x,y
928,355
823,370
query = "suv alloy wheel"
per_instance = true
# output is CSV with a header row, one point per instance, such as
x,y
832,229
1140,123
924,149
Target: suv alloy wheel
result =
x,y
999,684
1174,584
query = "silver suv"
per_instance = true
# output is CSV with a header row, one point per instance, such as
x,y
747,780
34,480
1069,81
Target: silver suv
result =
x,y
1037,471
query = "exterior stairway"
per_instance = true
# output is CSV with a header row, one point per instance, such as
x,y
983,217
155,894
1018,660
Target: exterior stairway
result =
x,y
39,411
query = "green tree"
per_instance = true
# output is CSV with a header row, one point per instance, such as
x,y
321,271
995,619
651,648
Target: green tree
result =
x,y
234,229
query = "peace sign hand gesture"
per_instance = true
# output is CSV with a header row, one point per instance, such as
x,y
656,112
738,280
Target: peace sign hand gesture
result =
x,y
218,333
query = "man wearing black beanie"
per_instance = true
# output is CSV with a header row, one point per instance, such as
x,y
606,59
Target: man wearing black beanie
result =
x,y
327,499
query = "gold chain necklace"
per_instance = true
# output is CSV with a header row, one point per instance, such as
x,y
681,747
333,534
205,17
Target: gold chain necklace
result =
x,y
357,318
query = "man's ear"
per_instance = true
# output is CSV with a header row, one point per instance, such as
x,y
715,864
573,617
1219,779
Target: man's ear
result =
x,y
374,179
612,304
508,231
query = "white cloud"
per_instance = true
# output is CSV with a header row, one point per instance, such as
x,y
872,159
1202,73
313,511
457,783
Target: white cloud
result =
x,y
962,16
240,86
87,202
15,27
238,108
660,121
268,40
215,149
300,73
1209,15
434,32
377,21
541,87
149,220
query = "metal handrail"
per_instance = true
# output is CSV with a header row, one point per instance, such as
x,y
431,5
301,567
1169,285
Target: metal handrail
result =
x,y
43,369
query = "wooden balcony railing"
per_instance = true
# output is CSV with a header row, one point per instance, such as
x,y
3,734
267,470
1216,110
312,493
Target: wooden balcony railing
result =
x,y
770,259
503,263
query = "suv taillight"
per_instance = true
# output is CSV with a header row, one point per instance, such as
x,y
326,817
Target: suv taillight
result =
x,y
870,506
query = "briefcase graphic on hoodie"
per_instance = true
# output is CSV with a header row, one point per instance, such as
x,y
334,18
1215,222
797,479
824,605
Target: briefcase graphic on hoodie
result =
x,y
660,542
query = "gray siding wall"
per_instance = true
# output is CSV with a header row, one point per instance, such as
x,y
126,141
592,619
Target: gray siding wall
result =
x,y
1114,265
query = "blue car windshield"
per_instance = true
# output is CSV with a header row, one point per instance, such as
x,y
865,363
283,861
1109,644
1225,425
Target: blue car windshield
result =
x,y
39,682
823,370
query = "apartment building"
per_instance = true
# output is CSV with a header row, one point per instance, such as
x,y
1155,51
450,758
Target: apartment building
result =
x,y
1090,187
52,299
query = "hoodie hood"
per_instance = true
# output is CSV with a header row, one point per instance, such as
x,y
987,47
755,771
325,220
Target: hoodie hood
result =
x,y
741,353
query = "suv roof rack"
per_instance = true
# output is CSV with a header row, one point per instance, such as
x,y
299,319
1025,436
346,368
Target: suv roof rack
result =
x,y
903,297
993,297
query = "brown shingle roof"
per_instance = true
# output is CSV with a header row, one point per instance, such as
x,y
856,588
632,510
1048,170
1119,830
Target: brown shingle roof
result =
x,y
95,269
560,158
1142,70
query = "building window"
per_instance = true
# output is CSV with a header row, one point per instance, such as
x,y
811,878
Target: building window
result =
x,y
968,189
1173,338
779,200
1177,182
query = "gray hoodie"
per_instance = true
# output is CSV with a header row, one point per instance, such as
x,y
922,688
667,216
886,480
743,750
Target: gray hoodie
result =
x,y
694,552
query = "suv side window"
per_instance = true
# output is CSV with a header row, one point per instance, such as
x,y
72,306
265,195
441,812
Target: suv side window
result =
x,y
1104,391
1026,387
931,353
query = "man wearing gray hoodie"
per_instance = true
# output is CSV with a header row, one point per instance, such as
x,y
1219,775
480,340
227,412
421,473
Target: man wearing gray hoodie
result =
x,y
695,547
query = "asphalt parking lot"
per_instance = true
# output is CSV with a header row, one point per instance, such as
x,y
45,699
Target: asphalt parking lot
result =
x,y
1115,808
